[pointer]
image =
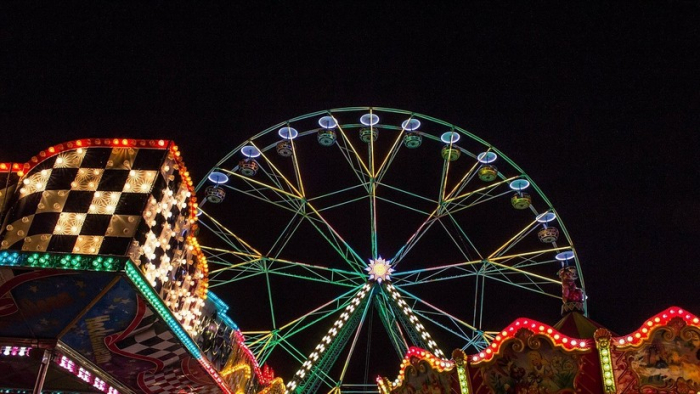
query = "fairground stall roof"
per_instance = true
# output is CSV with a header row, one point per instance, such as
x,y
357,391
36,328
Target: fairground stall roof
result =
x,y
103,287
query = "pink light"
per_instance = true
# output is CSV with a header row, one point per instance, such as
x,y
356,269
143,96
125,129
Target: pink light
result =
x,y
67,364
17,351
99,384
84,374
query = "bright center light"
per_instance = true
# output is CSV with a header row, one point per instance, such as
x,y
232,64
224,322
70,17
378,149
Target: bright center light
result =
x,y
379,270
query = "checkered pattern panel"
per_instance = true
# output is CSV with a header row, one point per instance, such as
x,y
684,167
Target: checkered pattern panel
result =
x,y
173,380
165,219
153,340
86,200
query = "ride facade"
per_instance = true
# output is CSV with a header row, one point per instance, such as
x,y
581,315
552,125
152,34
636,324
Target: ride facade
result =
x,y
529,357
103,285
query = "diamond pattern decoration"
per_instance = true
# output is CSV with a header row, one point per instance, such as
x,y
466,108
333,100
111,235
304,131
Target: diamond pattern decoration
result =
x,y
84,200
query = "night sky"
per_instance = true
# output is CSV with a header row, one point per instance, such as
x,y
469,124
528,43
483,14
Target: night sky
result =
x,y
598,103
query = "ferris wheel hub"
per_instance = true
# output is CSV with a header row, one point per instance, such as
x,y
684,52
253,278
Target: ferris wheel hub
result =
x,y
379,270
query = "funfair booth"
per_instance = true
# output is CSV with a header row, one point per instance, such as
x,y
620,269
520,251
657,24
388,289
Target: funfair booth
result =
x,y
103,286
530,357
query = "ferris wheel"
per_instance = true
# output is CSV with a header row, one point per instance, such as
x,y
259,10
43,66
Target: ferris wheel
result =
x,y
344,236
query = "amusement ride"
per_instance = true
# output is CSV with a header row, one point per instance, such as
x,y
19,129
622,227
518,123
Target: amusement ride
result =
x,y
338,232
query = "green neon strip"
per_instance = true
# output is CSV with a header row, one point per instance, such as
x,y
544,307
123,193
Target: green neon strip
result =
x,y
463,385
606,367
78,262
147,291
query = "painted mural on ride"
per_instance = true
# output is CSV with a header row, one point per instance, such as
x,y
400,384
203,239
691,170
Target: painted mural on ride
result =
x,y
530,357
85,208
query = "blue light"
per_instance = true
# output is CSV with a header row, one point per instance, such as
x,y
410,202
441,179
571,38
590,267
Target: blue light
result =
x,y
328,122
369,119
288,133
218,177
519,184
218,302
410,124
250,151
546,217
486,157
564,256
450,137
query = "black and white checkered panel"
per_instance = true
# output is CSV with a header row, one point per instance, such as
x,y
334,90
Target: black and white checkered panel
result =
x,y
159,247
84,200
153,340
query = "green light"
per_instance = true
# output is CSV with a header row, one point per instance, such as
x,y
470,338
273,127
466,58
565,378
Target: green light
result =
x,y
148,292
61,260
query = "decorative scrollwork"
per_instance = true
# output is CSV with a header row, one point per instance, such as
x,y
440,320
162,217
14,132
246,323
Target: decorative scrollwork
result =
x,y
690,333
666,333
517,345
534,342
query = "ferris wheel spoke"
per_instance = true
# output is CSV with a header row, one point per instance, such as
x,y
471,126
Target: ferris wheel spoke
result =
x,y
409,320
352,156
318,314
443,209
531,288
404,205
297,169
235,275
389,157
324,228
273,194
532,259
319,199
508,274
324,356
455,198
292,350
357,329
315,273
284,202
286,234
261,344
457,325
437,273
414,238
459,238
276,176
226,235
514,240
516,270
389,318
259,265
372,193
476,197
220,256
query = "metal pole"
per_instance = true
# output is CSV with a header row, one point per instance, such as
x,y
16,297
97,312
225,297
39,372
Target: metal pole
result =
x,y
43,369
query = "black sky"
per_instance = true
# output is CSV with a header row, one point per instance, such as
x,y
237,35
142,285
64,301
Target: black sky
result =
x,y
598,103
